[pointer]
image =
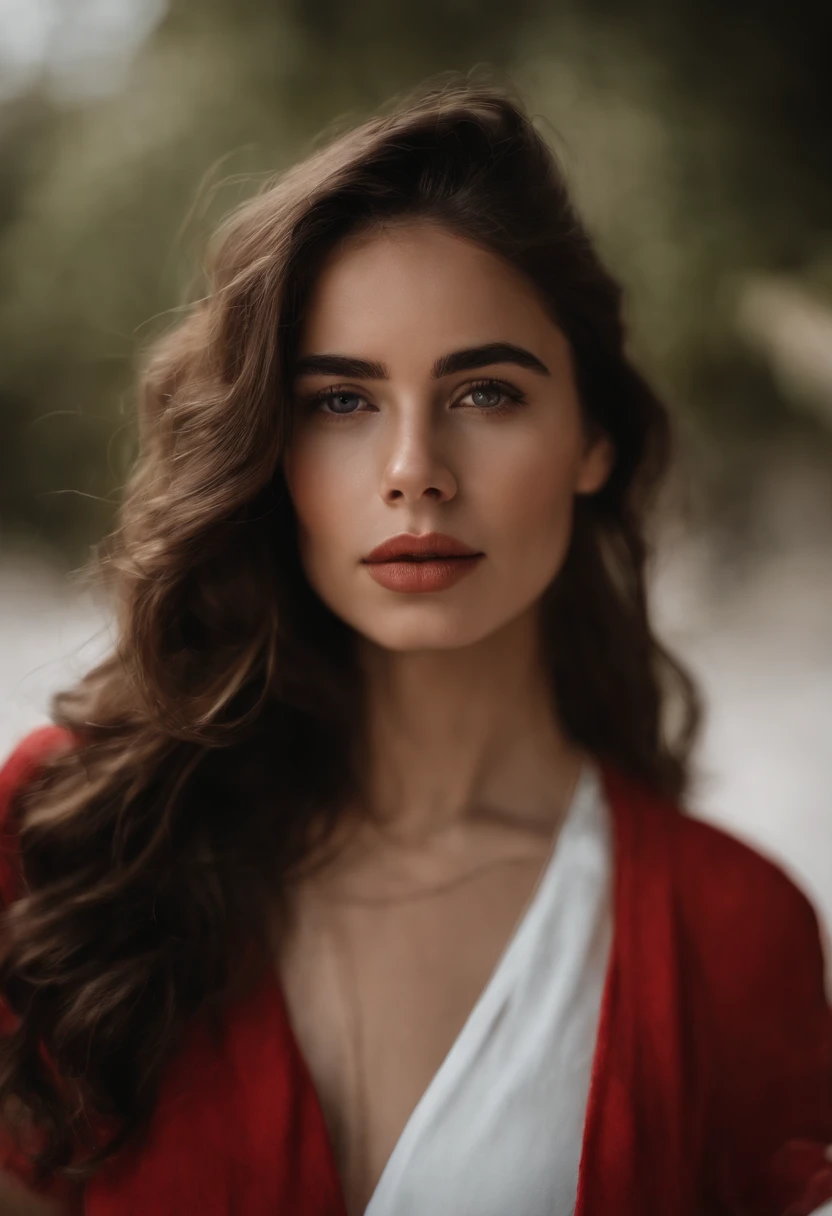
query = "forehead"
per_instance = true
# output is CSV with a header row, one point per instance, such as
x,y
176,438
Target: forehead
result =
x,y
418,286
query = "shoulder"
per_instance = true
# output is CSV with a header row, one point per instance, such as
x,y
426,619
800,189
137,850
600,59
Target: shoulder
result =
x,y
742,905
19,765
754,974
18,768
750,936
737,908
754,970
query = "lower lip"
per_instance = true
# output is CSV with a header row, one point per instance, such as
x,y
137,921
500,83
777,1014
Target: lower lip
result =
x,y
422,576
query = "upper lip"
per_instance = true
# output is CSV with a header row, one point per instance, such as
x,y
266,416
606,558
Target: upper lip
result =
x,y
409,545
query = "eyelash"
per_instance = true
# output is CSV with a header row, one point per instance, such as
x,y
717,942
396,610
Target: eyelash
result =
x,y
515,398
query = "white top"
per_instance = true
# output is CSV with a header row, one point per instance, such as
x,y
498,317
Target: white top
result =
x,y
500,1127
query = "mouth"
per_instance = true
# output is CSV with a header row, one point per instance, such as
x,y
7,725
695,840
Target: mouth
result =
x,y
413,574
430,557
425,547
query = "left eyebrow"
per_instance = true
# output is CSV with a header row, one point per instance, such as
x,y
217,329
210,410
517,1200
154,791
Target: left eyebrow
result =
x,y
446,365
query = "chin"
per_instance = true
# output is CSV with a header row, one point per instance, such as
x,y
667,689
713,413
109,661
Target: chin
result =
x,y
425,627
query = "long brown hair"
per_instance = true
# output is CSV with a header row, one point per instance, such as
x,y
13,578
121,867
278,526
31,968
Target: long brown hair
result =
x,y
153,848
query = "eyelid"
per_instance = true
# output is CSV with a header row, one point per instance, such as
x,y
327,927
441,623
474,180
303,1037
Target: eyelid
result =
x,y
511,390
331,390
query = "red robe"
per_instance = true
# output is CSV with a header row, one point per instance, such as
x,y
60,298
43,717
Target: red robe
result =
x,y
711,1090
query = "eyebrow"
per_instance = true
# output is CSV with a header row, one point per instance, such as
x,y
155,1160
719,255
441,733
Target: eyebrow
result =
x,y
446,365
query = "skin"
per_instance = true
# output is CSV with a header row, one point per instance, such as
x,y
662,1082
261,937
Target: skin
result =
x,y
470,771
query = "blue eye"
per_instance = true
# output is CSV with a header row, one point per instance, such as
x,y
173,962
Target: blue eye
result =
x,y
337,395
510,398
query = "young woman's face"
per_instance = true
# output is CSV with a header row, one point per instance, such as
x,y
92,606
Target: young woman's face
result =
x,y
485,449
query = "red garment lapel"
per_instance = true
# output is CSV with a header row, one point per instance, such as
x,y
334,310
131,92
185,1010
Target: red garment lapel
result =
x,y
634,1161
237,1129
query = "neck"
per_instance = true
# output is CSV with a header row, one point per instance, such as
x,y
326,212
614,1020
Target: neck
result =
x,y
466,732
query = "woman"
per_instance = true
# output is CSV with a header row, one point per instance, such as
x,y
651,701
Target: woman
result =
x,y
357,879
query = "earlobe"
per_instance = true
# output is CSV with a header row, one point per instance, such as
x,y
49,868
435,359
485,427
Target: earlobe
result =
x,y
596,466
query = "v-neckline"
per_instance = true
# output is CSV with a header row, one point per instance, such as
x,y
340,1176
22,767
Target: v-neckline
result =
x,y
592,774
485,1007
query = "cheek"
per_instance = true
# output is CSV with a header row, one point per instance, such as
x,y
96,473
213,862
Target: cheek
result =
x,y
316,487
328,491
530,490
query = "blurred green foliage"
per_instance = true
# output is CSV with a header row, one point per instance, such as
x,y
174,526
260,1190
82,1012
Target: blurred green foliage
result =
x,y
695,135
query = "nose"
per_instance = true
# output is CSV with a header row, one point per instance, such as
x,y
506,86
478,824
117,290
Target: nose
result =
x,y
415,466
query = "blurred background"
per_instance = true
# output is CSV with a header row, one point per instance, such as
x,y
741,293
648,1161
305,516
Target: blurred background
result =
x,y
696,137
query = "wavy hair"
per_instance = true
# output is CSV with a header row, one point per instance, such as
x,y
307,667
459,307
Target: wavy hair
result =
x,y
152,849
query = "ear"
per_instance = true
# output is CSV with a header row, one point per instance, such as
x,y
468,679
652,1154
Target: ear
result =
x,y
596,464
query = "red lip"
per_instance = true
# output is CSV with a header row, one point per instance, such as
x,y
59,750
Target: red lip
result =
x,y
409,545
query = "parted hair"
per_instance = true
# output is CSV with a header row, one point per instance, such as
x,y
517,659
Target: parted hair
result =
x,y
213,748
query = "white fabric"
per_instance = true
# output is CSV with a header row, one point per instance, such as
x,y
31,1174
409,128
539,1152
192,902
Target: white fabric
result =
x,y
500,1127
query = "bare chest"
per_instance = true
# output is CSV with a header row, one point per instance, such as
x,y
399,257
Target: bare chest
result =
x,y
379,990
